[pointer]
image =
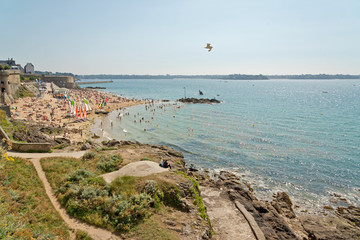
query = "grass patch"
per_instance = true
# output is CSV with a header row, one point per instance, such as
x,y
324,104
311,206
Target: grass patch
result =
x,y
23,92
109,163
81,235
124,185
89,198
57,168
24,206
108,148
5,124
61,146
121,206
88,156
198,199
146,159
150,229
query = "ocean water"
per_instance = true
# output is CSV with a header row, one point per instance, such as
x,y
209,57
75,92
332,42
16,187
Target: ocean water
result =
x,y
297,136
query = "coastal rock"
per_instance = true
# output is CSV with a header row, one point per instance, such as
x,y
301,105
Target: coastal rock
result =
x,y
185,205
126,143
32,134
198,100
283,205
96,87
85,146
269,220
206,234
61,140
350,213
185,188
170,151
187,230
111,143
326,228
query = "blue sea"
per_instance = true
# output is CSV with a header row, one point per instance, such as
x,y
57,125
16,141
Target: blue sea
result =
x,y
297,136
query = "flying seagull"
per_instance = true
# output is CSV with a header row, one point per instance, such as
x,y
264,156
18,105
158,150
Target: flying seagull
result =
x,y
208,47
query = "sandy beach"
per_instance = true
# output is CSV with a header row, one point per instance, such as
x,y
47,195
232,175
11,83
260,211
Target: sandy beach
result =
x,y
53,112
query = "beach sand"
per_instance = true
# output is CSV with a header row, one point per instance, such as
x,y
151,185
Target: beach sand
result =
x,y
52,112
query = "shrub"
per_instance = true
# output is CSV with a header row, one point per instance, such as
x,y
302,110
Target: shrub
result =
x,y
109,163
91,199
88,156
81,235
172,197
79,174
152,189
125,214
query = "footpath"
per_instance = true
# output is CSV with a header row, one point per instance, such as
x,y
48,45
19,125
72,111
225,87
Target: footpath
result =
x,y
73,223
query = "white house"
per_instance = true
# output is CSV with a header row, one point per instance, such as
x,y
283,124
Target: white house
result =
x,y
29,68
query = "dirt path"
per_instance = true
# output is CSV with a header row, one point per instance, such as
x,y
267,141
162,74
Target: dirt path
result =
x,y
226,219
95,232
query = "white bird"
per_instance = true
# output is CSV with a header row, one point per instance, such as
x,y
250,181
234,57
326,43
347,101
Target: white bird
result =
x,y
209,47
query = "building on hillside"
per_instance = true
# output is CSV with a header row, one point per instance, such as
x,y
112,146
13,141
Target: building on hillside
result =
x,y
29,68
12,64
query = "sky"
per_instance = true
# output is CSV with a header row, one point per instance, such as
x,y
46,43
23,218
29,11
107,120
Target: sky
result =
x,y
169,36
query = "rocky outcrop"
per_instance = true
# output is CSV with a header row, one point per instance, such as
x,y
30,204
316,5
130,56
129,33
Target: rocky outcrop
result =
x,y
96,87
328,228
283,205
31,134
198,100
276,218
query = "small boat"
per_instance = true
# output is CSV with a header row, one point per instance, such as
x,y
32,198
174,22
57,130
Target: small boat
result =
x,y
101,111
200,92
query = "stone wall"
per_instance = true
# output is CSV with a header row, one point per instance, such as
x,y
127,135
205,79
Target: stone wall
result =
x,y
25,147
9,84
61,81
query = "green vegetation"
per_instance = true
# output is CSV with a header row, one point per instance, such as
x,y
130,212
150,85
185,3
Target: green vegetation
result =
x,y
81,235
89,198
60,146
109,163
5,124
28,78
119,206
88,156
26,211
10,127
23,92
4,67
152,229
196,193
146,158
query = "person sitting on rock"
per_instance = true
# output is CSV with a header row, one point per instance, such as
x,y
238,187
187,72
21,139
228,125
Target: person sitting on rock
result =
x,y
165,164
161,164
